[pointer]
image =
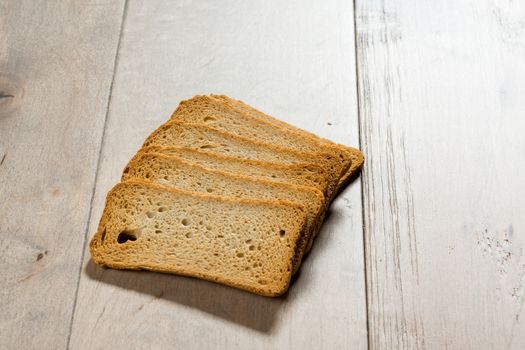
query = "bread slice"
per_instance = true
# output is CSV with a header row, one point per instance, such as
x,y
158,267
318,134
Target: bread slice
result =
x,y
244,243
175,172
197,136
306,174
357,158
221,116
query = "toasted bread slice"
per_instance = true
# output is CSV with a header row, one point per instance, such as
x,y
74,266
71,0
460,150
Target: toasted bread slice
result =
x,y
223,116
244,243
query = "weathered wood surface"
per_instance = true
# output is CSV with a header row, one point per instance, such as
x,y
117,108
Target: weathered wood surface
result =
x,y
292,59
56,66
442,114
440,91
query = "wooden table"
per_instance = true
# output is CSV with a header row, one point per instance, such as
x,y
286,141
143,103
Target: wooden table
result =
x,y
425,250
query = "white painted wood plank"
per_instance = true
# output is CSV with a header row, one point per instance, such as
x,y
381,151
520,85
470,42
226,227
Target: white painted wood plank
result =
x,y
441,89
56,66
293,59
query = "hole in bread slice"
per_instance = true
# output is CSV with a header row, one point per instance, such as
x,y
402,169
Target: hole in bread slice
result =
x,y
128,235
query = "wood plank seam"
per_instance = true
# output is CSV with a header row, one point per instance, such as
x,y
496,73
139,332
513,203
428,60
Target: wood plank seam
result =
x,y
101,145
363,231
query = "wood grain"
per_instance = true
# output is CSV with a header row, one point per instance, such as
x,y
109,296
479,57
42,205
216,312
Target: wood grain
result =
x,y
56,64
441,91
292,59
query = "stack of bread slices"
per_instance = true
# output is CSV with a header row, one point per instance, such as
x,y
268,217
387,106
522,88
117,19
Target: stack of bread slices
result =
x,y
225,193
